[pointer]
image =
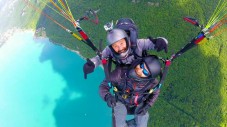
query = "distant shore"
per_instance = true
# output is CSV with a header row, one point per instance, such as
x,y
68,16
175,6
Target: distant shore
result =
x,y
6,35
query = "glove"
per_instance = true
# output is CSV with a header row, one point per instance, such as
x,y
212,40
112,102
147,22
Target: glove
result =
x,y
111,101
89,67
160,44
142,110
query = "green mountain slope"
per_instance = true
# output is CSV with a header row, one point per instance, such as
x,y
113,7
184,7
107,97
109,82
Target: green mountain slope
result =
x,y
195,91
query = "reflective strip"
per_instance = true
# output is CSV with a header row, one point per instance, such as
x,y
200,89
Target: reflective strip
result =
x,y
136,99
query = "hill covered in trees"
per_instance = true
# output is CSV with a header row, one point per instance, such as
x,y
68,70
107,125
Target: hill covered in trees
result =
x,y
195,91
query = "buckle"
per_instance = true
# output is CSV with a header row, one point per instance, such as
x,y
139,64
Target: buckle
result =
x,y
124,96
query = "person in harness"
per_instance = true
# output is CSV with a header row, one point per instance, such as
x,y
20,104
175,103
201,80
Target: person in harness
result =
x,y
124,46
134,90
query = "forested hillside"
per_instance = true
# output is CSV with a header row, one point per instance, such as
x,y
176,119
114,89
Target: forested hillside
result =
x,y
194,94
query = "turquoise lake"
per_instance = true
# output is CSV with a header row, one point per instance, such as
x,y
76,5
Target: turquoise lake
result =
x,y
42,85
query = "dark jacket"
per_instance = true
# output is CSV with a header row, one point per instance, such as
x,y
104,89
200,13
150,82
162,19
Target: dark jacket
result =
x,y
129,91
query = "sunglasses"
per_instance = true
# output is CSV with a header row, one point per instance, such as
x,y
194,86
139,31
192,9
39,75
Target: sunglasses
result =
x,y
145,72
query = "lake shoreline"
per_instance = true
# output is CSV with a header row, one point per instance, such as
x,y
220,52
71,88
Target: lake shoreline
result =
x,y
6,35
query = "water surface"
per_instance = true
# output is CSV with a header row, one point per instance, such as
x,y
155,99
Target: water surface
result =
x,y
42,85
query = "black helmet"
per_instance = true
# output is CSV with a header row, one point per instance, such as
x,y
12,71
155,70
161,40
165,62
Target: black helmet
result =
x,y
153,65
